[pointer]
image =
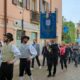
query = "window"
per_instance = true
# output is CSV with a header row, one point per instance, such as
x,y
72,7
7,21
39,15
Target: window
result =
x,y
27,4
34,5
14,2
19,34
20,3
45,5
33,36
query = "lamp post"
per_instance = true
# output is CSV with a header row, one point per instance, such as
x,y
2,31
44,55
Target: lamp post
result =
x,y
22,25
22,20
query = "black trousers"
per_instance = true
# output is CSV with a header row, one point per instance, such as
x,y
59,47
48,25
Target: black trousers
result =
x,y
24,66
63,61
52,64
6,71
44,59
38,62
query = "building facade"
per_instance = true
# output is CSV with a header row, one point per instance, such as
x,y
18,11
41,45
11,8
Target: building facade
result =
x,y
23,15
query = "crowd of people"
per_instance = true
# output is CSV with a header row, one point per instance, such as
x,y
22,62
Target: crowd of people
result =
x,y
63,53
52,52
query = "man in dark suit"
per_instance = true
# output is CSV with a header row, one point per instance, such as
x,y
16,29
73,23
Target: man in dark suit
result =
x,y
53,59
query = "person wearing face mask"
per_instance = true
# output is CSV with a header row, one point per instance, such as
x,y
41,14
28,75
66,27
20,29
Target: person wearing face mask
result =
x,y
27,53
10,53
37,47
52,58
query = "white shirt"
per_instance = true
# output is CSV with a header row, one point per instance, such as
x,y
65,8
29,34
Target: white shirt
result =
x,y
16,51
33,51
27,51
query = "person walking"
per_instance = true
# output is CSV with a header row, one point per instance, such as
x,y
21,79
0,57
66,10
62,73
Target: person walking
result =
x,y
10,53
37,47
52,57
63,56
44,53
27,53
70,52
76,53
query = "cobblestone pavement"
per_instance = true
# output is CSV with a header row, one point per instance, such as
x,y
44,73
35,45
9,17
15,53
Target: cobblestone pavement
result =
x,y
72,73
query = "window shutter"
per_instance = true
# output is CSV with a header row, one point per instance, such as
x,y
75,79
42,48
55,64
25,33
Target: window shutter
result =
x,y
43,1
31,5
24,3
15,2
28,4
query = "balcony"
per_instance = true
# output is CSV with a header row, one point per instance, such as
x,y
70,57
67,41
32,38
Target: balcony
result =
x,y
35,17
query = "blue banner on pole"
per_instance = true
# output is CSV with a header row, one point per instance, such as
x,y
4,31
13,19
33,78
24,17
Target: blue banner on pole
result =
x,y
65,29
48,26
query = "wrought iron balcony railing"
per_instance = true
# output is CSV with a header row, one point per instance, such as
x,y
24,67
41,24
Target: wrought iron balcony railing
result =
x,y
35,17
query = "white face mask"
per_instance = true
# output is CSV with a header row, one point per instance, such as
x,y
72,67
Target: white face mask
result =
x,y
49,43
49,49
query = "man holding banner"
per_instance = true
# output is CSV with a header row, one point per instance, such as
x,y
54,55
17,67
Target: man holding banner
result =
x,y
48,31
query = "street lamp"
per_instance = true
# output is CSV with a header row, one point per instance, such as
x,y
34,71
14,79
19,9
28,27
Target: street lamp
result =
x,y
22,20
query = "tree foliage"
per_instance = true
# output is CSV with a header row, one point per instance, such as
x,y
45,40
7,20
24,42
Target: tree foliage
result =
x,y
70,35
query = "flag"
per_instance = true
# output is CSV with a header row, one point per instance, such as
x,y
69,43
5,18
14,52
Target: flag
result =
x,y
48,26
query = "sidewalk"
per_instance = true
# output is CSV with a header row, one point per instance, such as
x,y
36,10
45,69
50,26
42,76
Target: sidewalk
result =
x,y
72,73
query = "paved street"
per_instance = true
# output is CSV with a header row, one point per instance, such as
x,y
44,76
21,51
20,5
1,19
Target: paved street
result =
x,y
41,74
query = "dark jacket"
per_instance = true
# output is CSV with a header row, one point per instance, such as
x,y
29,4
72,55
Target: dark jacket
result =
x,y
44,51
68,52
53,55
55,49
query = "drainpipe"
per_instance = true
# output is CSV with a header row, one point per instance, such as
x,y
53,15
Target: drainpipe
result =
x,y
5,16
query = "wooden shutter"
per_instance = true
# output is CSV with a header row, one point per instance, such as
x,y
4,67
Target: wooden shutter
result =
x,y
24,3
28,4
43,1
31,5
15,2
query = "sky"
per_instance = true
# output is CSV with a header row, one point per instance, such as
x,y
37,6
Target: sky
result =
x,y
71,10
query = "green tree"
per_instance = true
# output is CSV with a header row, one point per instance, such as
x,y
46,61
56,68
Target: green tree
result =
x,y
70,35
